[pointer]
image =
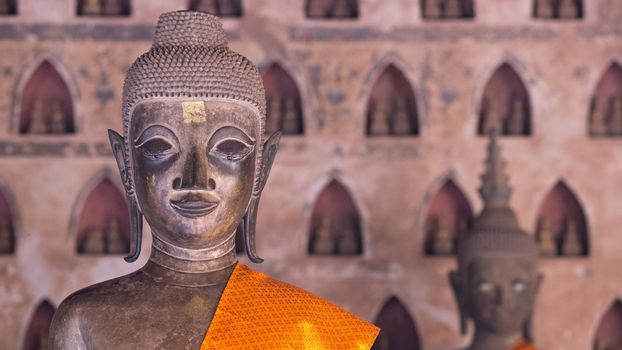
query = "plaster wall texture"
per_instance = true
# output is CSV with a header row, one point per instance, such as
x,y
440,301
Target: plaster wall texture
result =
x,y
392,180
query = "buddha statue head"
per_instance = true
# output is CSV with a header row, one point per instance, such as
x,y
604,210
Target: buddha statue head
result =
x,y
497,279
193,156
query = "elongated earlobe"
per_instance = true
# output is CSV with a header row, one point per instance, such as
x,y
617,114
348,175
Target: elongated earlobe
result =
x,y
136,217
250,218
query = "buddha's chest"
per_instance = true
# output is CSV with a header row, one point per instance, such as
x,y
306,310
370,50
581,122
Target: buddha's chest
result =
x,y
178,322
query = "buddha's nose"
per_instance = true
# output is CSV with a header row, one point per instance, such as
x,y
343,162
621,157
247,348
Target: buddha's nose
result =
x,y
499,295
195,173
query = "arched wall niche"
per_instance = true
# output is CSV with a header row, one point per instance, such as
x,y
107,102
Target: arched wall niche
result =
x,y
447,9
392,106
397,327
557,9
101,221
605,114
335,227
8,7
45,79
562,227
332,9
37,333
608,335
505,105
220,8
449,215
111,8
283,101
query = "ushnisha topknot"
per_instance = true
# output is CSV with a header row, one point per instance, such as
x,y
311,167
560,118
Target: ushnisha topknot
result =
x,y
190,58
495,230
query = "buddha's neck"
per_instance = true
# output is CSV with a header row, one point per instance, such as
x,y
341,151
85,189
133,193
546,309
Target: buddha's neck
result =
x,y
487,340
174,265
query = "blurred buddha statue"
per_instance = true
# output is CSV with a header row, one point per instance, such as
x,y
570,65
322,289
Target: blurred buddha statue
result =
x,y
497,280
347,242
379,118
453,9
324,241
115,242
194,160
571,241
57,122
431,9
93,241
91,7
544,237
598,120
544,9
442,239
38,120
342,9
568,9
291,120
401,119
6,237
492,118
615,127
517,117
274,118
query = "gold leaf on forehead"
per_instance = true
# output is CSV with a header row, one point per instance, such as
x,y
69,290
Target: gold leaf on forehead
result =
x,y
194,112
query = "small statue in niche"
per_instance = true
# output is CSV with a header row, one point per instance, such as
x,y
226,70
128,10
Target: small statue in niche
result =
x,y
544,237
347,243
115,243
571,241
544,9
517,118
379,118
194,160
453,9
91,7
93,242
38,119
6,237
491,118
275,114
401,118
615,122
431,9
57,119
442,240
342,9
598,120
291,118
324,242
568,9
497,280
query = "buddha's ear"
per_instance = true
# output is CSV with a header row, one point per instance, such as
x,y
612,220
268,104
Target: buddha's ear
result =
x,y
454,281
118,150
269,152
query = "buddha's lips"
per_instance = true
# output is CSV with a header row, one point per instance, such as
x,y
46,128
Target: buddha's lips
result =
x,y
193,206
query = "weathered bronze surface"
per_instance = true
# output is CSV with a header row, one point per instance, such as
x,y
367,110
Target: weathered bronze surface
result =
x,y
497,278
193,160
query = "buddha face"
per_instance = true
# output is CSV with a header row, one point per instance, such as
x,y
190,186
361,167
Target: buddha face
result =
x,y
193,167
499,292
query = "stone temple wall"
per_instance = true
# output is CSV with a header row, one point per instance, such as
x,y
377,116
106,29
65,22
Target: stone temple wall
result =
x,y
392,181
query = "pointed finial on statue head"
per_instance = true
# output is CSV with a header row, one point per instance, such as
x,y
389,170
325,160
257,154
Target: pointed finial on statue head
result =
x,y
495,189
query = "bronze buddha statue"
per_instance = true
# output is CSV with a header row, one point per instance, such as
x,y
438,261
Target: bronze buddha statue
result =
x,y
194,159
497,279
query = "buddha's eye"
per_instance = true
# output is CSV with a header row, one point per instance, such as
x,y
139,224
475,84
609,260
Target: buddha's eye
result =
x,y
518,286
485,287
156,148
232,150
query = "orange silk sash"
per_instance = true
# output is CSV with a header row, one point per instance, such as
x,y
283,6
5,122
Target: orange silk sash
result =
x,y
258,312
523,346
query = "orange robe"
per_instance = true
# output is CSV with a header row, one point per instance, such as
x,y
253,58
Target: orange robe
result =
x,y
523,345
258,312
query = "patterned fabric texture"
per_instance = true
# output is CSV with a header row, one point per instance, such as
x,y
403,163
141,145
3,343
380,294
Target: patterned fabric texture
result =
x,y
258,312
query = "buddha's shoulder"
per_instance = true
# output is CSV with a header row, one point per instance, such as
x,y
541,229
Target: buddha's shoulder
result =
x,y
97,296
